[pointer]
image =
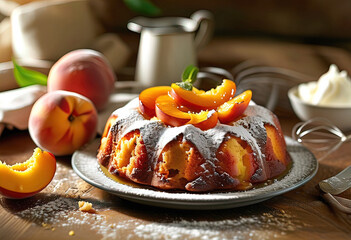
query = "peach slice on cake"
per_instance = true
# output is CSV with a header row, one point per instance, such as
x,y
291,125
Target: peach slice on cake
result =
x,y
169,112
203,100
234,108
148,97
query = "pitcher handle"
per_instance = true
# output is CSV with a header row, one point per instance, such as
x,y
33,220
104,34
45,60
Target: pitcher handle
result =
x,y
136,24
205,25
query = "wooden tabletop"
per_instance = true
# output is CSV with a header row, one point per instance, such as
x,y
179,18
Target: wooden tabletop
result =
x,y
53,213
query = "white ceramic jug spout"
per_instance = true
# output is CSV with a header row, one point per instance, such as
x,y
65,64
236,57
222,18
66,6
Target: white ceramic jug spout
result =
x,y
168,45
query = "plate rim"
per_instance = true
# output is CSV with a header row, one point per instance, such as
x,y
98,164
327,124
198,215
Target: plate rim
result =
x,y
186,200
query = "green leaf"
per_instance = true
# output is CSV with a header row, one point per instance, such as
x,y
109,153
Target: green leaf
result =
x,y
26,77
143,7
185,85
188,78
190,74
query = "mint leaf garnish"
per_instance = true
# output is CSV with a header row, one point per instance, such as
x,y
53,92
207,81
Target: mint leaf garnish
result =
x,y
185,85
189,77
143,7
190,74
26,77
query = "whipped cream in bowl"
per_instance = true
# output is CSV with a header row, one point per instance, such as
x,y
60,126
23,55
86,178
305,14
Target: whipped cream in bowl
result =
x,y
333,89
329,97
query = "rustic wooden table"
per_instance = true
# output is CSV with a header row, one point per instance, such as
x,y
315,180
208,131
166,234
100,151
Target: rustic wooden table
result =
x,y
54,214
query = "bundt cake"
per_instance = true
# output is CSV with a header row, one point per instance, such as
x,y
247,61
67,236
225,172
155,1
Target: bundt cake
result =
x,y
217,148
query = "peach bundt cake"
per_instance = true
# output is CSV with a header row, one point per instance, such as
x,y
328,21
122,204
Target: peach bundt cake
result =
x,y
176,138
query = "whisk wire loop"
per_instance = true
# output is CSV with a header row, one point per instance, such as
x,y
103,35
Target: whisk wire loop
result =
x,y
320,135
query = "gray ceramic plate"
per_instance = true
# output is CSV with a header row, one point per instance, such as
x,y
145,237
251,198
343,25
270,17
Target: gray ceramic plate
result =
x,y
303,169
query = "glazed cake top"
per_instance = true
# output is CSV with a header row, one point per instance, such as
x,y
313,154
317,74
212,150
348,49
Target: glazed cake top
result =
x,y
156,135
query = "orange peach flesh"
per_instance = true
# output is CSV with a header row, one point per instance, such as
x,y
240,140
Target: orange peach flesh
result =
x,y
148,97
278,144
168,112
201,100
234,108
26,179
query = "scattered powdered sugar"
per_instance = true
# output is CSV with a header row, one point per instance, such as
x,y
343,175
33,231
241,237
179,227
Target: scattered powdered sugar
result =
x,y
60,211
64,213
265,225
254,222
258,221
51,212
54,209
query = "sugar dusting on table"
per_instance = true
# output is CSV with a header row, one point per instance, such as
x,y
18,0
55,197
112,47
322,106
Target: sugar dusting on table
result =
x,y
63,213
236,229
57,211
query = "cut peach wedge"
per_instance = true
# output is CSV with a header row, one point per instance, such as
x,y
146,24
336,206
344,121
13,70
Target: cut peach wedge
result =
x,y
25,179
148,97
200,100
232,109
169,112
210,122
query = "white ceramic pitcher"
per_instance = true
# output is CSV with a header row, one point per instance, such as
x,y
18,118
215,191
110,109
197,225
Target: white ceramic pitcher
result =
x,y
168,45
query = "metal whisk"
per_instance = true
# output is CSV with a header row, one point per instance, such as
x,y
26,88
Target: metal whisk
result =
x,y
320,135
269,84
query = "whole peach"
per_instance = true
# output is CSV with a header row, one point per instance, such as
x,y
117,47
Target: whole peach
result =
x,y
86,72
62,122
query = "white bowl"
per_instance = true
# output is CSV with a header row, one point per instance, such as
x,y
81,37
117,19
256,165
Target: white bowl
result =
x,y
339,116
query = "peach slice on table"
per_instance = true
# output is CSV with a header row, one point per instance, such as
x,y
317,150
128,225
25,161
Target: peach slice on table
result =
x,y
170,113
232,109
25,179
148,97
203,100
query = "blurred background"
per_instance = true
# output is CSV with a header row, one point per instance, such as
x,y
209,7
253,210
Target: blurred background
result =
x,y
309,20
303,35
269,30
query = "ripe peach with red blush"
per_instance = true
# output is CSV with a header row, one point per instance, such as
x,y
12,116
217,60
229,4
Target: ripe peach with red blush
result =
x,y
86,72
62,122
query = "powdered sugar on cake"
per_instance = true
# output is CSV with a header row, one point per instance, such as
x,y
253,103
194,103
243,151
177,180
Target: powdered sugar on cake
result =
x,y
156,135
